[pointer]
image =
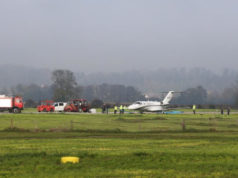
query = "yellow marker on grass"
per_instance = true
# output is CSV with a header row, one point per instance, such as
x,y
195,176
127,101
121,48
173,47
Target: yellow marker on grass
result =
x,y
69,159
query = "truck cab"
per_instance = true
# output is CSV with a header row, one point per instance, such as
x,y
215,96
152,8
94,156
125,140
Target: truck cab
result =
x,y
18,103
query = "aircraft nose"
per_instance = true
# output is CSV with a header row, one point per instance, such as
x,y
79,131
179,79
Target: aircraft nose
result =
x,y
130,107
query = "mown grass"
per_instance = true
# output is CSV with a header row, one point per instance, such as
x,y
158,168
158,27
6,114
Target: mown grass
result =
x,y
124,123
99,110
131,145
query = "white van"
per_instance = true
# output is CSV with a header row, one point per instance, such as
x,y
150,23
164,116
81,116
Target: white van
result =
x,y
59,106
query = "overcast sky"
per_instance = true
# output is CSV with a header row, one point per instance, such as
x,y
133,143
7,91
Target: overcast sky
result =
x,y
119,35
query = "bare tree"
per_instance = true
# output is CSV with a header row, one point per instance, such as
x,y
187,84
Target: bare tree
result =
x,y
64,85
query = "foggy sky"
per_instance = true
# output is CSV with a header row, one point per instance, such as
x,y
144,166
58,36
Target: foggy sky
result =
x,y
119,35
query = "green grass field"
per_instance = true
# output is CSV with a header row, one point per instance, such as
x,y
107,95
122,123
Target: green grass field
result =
x,y
29,110
131,145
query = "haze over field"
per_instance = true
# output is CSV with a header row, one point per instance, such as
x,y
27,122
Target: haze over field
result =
x,y
150,82
116,36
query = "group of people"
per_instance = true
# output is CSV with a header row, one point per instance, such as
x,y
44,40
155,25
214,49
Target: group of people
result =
x,y
222,110
227,108
122,109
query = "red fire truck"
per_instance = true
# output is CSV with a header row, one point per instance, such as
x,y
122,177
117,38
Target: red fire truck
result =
x,y
77,105
11,103
46,106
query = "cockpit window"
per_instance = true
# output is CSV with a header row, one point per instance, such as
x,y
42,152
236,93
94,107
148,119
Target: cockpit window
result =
x,y
138,102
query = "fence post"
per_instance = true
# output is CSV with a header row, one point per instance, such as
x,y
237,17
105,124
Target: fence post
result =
x,y
36,126
71,125
183,125
212,125
12,124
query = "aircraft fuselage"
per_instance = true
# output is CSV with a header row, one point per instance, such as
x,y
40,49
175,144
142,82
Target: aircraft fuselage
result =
x,y
151,106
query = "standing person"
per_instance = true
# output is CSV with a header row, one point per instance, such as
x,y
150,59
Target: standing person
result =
x,y
121,107
228,110
194,109
222,110
124,108
107,108
103,108
115,109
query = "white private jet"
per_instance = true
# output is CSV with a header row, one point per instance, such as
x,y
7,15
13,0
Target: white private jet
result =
x,y
152,106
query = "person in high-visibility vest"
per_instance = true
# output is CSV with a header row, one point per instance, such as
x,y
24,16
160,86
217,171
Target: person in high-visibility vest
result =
x,y
124,108
194,109
115,109
121,107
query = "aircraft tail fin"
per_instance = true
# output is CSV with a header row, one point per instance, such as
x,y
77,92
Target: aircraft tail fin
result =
x,y
168,98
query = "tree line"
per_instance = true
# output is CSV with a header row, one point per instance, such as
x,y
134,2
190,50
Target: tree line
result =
x,y
149,81
64,87
200,96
